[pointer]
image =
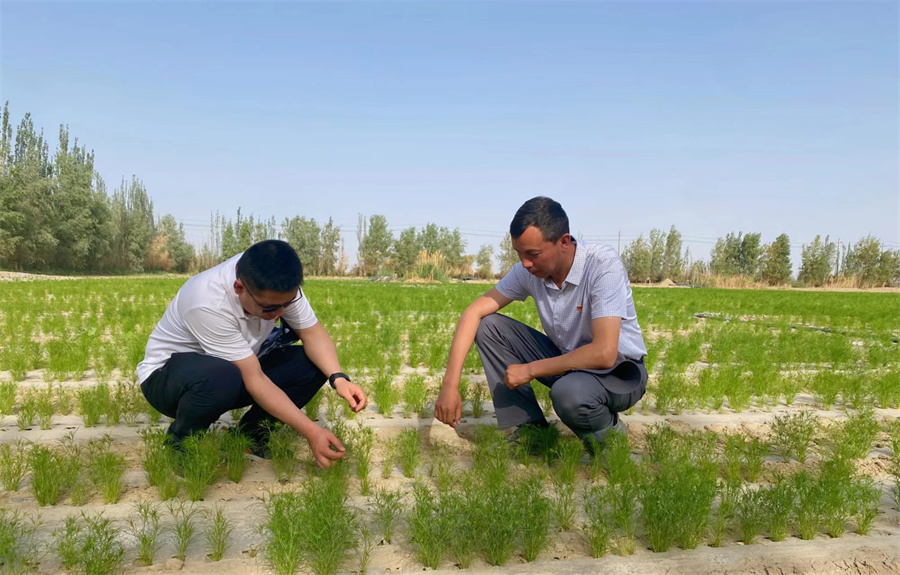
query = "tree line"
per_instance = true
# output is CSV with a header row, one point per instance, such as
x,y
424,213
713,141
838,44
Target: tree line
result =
x,y
57,215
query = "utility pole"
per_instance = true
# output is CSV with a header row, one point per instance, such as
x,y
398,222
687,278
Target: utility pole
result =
x,y
838,273
620,243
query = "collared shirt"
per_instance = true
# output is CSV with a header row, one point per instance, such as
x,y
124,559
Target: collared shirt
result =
x,y
596,286
206,316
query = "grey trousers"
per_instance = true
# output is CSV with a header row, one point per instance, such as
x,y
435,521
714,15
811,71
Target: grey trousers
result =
x,y
587,401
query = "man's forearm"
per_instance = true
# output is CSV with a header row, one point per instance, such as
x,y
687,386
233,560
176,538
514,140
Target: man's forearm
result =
x,y
466,329
321,351
588,356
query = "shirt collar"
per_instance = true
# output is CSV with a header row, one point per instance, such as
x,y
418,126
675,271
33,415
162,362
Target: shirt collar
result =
x,y
576,272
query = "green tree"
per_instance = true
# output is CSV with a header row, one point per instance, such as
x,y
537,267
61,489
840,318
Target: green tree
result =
x,y
375,247
657,248
750,252
331,245
673,260
637,260
775,266
508,256
817,262
305,236
484,261
405,251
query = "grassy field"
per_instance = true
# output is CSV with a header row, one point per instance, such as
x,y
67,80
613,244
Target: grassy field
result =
x,y
769,415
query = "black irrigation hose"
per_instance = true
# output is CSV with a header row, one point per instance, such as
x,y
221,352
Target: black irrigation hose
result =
x,y
723,317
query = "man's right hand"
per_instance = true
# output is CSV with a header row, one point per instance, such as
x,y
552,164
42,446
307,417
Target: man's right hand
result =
x,y
448,408
325,447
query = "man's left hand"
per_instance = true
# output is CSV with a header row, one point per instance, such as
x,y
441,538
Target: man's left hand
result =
x,y
518,375
353,393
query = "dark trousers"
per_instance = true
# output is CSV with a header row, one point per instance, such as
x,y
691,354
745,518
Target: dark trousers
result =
x,y
587,401
195,389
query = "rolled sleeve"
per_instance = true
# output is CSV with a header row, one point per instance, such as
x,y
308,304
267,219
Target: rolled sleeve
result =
x,y
609,291
300,315
514,285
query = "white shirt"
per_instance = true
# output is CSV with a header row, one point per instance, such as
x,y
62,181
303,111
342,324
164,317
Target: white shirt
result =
x,y
596,286
206,317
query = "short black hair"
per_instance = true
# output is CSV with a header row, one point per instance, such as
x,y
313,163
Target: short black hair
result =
x,y
544,214
271,265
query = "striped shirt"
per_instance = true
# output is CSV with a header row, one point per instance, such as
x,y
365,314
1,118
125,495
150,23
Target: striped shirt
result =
x,y
597,286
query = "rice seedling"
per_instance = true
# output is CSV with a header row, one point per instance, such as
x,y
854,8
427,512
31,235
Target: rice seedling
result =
x,y
27,411
201,459
182,527
218,530
430,527
793,433
234,446
312,407
568,451
100,552
144,525
750,513
385,394
20,549
755,453
415,391
13,465
598,529
284,447
106,468
361,440
479,395
7,397
387,507
47,474
408,451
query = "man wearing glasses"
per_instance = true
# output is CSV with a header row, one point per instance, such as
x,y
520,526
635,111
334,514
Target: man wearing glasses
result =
x,y
203,358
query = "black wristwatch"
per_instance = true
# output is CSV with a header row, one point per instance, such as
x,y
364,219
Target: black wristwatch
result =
x,y
336,375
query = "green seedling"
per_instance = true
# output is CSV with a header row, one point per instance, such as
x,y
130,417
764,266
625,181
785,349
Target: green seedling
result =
x,y
113,405
183,528
386,395
365,551
542,394
563,505
284,447
598,529
729,492
750,514
361,441
92,404
27,411
808,512
568,452
733,457
864,498
623,500
144,526
44,407
755,454
48,474
20,550
235,445
479,395
415,391
853,438
314,405
464,391
836,489
160,462
429,526
64,400
7,397
100,551
778,502
106,468
218,529
13,465
408,451
534,519
284,536
387,507
536,441
792,434
68,542
201,460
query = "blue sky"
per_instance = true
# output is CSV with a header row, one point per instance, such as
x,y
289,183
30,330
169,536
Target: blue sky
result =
x,y
715,117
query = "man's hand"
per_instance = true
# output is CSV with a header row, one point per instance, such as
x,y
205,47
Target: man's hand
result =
x,y
353,393
448,408
518,375
325,447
